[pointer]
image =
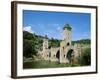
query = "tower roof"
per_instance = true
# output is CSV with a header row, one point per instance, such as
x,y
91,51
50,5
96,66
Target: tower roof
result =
x,y
67,26
46,37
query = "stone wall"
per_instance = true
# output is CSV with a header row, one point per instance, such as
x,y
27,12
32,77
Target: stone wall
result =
x,y
54,53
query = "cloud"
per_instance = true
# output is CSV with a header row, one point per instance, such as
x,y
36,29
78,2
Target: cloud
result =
x,y
28,29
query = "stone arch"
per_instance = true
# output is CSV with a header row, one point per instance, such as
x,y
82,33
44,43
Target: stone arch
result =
x,y
58,54
69,54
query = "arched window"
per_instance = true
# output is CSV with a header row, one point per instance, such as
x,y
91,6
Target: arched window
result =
x,y
68,44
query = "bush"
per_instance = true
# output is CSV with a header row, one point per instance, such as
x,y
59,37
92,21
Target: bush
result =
x,y
28,48
86,57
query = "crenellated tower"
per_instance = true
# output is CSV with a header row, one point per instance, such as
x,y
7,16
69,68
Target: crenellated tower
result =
x,y
65,44
67,34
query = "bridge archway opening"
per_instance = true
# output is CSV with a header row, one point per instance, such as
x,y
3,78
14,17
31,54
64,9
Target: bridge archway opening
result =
x,y
69,54
58,54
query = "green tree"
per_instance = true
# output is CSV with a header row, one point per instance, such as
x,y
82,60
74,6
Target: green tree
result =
x,y
82,41
28,48
54,43
86,57
27,35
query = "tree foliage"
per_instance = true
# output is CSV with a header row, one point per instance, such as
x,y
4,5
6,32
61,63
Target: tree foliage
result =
x,y
86,57
28,48
82,41
54,42
27,35
28,44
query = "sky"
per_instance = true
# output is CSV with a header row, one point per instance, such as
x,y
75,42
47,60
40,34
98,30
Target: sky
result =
x,y
52,23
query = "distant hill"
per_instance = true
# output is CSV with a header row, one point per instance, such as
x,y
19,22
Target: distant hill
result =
x,y
38,40
82,41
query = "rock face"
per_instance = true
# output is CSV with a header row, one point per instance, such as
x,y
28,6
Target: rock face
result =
x,y
65,53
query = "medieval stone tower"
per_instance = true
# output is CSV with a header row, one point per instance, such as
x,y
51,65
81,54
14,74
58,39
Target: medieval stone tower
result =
x,y
67,34
45,52
65,44
45,43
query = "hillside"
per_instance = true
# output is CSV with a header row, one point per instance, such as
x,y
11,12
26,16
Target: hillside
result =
x,y
82,41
